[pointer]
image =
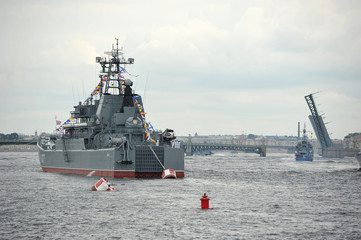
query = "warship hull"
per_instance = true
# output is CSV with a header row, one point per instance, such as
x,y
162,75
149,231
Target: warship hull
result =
x,y
304,158
109,162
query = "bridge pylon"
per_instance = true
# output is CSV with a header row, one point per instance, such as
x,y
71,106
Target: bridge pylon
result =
x,y
189,151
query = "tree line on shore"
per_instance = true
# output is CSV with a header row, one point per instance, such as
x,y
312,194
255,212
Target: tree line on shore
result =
x,y
11,136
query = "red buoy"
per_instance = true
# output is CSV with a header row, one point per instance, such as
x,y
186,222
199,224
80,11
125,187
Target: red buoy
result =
x,y
205,202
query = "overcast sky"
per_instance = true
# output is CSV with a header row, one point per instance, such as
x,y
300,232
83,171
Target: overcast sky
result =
x,y
211,67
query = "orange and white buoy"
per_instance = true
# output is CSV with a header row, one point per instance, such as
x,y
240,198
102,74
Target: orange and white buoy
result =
x,y
169,173
102,185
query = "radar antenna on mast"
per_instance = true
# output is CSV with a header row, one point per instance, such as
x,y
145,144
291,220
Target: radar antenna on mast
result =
x,y
115,52
117,44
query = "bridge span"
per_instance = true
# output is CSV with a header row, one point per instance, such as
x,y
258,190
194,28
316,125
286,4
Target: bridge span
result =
x,y
17,142
191,148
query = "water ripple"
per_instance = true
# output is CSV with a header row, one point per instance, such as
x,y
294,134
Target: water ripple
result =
x,y
252,198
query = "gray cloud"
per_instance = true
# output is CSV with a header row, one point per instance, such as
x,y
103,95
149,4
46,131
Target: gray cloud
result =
x,y
222,67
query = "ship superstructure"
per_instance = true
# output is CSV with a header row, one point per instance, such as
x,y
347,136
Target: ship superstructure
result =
x,y
108,135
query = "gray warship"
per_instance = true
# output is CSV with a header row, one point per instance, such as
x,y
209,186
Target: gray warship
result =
x,y
304,149
358,158
107,135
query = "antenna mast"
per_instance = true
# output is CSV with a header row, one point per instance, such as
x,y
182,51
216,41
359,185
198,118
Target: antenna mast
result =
x,y
111,74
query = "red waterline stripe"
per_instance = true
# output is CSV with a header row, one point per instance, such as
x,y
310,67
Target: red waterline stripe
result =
x,y
153,175
107,173
101,173
179,174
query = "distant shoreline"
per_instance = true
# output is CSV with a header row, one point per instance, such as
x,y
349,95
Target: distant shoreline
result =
x,y
18,148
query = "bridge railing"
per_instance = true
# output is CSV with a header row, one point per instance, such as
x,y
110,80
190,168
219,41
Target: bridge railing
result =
x,y
17,142
191,148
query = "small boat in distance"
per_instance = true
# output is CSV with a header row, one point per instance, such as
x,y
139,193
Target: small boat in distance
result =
x,y
358,158
304,149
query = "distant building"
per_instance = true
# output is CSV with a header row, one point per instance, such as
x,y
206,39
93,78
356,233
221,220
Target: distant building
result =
x,y
352,141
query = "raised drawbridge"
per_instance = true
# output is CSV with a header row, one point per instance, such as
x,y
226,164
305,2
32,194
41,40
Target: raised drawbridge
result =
x,y
318,124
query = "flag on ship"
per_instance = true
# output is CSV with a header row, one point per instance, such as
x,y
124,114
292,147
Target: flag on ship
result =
x,y
150,127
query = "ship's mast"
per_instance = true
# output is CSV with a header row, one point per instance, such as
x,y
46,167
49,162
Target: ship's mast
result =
x,y
112,70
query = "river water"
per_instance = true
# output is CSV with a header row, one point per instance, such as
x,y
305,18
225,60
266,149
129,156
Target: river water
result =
x,y
252,198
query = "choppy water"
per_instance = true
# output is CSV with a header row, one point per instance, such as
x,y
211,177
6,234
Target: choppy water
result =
x,y
252,198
